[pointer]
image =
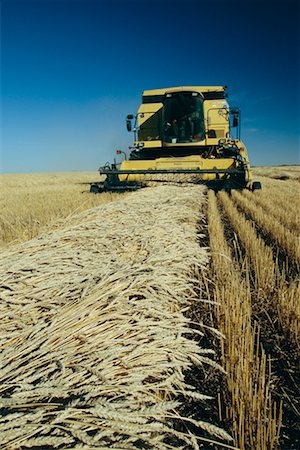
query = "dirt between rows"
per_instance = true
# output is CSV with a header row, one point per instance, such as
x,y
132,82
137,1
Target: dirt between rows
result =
x,y
205,379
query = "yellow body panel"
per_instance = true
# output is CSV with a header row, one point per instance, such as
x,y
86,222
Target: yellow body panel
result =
x,y
216,117
185,162
185,88
146,110
154,143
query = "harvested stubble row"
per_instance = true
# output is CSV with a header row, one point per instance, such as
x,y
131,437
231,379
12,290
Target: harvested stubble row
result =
x,y
252,411
274,207
93,337
271,288
284,238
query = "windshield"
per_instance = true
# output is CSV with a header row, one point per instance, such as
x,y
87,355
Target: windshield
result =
x,y
183,117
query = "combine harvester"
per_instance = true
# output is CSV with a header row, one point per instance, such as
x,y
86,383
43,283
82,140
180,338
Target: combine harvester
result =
x,y
187,130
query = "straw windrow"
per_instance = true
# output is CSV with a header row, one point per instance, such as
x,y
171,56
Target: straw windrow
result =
x,y
94,341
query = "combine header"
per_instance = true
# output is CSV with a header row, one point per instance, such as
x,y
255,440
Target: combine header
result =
x,y
187,130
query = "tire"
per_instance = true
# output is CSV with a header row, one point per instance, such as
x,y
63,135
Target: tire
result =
x,y
256,185
94,189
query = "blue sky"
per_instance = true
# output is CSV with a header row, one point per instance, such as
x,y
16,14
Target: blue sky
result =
x,y
72,71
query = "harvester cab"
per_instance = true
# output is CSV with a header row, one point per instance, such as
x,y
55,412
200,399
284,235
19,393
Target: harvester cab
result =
x,y
187,130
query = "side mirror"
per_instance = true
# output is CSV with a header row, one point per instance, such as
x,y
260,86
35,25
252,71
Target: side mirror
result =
x,y
235,121
235,118
128,125
128,122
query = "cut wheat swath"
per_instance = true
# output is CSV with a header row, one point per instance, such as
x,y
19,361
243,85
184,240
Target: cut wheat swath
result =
x,y
94,341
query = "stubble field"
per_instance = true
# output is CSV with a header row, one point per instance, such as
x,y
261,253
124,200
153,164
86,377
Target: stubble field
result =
x,y
165,318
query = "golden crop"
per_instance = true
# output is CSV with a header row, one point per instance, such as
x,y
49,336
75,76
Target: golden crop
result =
x,y
35,203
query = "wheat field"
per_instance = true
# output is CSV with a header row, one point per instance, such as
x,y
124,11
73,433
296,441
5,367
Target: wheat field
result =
x,y
164,318
35,203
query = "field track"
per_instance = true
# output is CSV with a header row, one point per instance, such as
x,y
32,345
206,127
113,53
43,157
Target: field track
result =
x,y
157,320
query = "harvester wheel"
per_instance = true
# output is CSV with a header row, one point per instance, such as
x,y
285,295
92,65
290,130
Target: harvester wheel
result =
x,y
256,185
94,189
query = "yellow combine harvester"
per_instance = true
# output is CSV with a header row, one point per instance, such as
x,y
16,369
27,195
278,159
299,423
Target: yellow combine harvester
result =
x,y
183,130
